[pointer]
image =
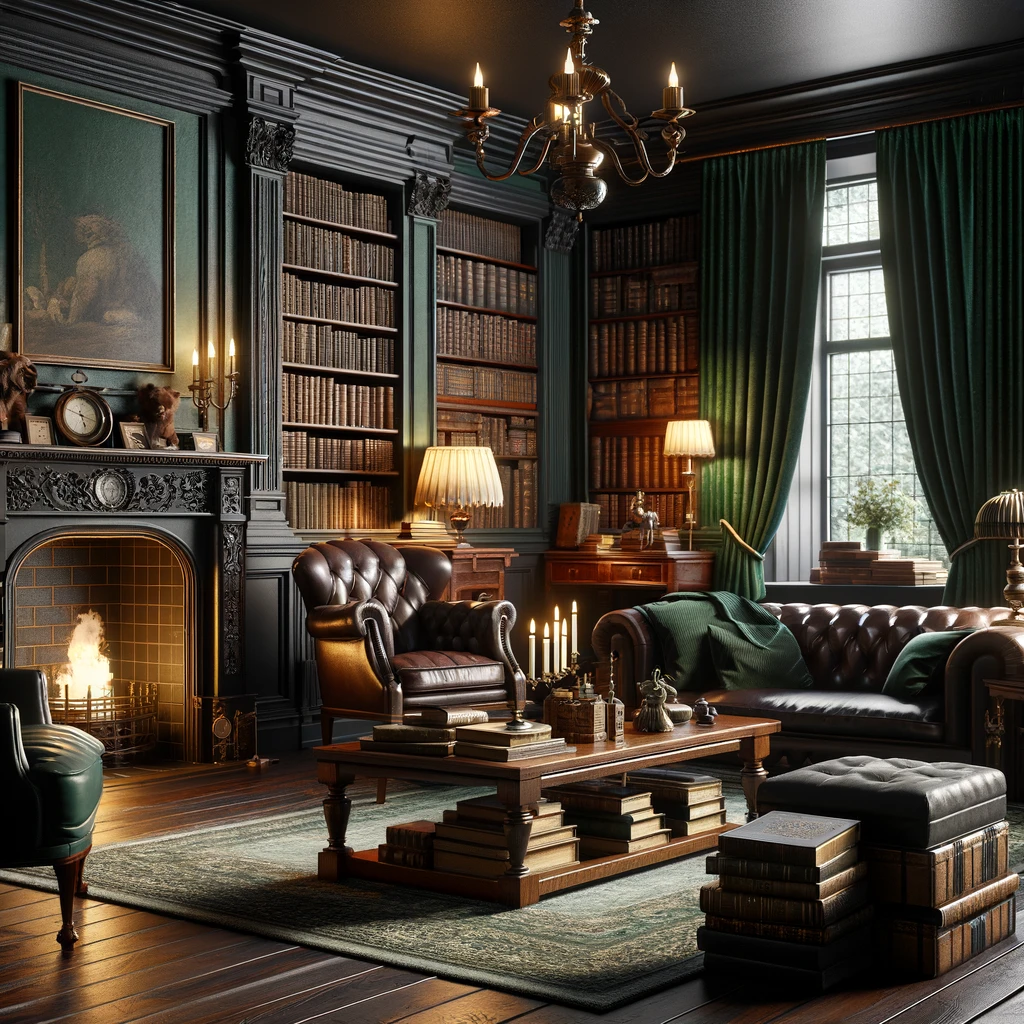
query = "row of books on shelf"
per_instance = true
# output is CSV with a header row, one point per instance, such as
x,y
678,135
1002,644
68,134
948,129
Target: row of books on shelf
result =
x,y
324,249
311,451
669,345
634,462
504,435
366,304
519,487
327,200
674,240
841,561
469,382
328,402
615,508
479,336
356,505
468,233
323,345
473,283
650,398
659,292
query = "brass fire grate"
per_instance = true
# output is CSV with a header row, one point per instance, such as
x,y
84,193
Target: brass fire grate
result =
x,y
124,723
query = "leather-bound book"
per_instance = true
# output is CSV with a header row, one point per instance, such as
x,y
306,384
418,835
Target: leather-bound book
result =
x,y
806,913
791,838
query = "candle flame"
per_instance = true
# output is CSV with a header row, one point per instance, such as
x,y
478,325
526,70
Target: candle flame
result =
x,y
478,76
673,77
195,357
547,630
87,667
574,607
570,68
231,348
533,627
210,351
565,627
558,614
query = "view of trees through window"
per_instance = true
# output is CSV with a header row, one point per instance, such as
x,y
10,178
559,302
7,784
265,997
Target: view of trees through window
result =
x,y
867,432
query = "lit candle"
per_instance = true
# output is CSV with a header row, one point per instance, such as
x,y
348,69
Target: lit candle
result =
x,y
557,634
672,94
231,356
545,649
533,649
565,645
570,67
575,639
195,366
479,94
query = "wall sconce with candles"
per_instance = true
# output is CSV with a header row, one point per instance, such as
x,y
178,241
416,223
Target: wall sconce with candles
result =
x,y
691,439
208,390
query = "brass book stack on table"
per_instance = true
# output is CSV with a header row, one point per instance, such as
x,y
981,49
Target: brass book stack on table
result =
x,y
610,818
493,741
410,845
939,907
790,905
690,803
471,839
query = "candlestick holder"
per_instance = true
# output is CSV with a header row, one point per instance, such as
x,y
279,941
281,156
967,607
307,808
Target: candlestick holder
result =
x,y
208,391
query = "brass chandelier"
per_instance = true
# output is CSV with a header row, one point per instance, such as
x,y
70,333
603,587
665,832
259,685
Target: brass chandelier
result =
x,y
572,143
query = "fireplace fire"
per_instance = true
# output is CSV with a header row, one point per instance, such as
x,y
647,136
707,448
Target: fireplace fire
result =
x,y
87,673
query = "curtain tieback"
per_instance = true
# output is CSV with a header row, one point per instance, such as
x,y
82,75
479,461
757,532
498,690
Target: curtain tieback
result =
x,y
963,547
739,540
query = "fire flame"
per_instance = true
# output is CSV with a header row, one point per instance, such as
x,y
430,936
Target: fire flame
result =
x,y
88,667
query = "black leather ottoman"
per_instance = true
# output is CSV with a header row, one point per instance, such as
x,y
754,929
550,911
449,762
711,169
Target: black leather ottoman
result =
x,y
899,802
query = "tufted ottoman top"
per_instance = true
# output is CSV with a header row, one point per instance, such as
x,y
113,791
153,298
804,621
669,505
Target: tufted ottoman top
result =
x,y
913,804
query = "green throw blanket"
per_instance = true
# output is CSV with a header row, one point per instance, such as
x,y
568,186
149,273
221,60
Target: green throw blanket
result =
x,y
721,640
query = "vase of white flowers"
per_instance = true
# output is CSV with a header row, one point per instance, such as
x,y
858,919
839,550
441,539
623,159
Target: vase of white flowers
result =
x,y
883,508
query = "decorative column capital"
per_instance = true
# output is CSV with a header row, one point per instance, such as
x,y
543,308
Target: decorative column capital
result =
x,y
563,229
269,144
430,195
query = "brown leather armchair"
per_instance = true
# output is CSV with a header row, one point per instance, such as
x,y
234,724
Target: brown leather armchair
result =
x,y
385,641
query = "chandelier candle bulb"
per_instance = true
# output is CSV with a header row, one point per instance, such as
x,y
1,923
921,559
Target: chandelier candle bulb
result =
x,y
545,647
533,649
672,94
479,94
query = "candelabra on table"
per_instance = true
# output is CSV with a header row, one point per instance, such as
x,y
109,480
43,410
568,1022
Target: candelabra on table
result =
x,y
208,390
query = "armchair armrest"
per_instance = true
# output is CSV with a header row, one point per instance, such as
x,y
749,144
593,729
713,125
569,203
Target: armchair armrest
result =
x,y
26,689
352,621
23,817
627,634
996,652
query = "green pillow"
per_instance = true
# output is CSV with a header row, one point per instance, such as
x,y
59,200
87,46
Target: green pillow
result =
x,y
767,657
920,668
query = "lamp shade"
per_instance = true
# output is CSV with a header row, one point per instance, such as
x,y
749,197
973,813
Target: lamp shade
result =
x,y
691,438
465,476
1002,516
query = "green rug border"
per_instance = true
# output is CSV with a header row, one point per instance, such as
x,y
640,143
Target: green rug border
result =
x,y
621,995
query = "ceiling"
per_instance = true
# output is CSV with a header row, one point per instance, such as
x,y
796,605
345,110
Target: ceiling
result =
x,y
723,48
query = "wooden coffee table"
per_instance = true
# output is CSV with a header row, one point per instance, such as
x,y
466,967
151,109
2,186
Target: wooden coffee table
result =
x,y
519,785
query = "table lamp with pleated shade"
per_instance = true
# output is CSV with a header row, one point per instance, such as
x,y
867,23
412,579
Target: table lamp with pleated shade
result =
x,y
459,478
1002,518
691,439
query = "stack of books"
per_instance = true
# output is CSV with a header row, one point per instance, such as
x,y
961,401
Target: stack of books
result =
x,y
691,803
791,901
471,839
611,819
909,572
493,741
938,908
424,740
842,561
410,845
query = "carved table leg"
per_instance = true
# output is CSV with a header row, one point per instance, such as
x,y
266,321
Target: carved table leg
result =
x,y
337,806
518,825
753,750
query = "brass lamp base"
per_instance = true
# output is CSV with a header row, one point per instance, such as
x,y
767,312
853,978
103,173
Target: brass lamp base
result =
x,y
1013,592
459,517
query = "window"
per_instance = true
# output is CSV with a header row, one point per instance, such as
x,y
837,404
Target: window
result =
x,y
866,434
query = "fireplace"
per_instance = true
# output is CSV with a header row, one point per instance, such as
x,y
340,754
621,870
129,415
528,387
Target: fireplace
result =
x,y
152,543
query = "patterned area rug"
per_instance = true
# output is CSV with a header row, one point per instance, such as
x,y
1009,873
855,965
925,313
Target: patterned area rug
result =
x,y
596,947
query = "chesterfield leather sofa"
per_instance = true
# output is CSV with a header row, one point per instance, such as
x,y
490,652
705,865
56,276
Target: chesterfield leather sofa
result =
x,y
848,650
52,781
385,641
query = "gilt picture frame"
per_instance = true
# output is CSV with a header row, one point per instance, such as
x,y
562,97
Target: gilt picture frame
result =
x,y
94,260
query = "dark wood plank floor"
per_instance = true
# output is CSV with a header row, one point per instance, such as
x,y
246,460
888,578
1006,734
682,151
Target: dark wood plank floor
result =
x,y
135,966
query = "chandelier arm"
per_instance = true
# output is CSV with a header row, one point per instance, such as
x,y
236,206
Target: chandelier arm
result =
x,y
609,151
524,141
545,149
630,128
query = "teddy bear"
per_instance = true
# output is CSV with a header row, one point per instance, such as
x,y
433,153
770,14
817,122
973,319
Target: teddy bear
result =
x,y
17,382
157,407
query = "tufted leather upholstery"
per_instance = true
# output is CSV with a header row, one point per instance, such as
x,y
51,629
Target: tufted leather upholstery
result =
x,y
385,640
899,802
849,650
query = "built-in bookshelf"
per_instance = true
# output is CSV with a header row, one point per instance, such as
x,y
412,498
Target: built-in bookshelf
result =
x,y
643,346
340,329
487,354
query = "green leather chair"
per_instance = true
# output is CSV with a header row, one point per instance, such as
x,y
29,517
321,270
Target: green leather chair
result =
x,y
51,777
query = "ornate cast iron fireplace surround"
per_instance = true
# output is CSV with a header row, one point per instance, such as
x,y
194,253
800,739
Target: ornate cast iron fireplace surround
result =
x,y
194,502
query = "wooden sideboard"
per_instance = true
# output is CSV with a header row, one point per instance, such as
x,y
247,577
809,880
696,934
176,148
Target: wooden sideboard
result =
x,y
477,572
665,570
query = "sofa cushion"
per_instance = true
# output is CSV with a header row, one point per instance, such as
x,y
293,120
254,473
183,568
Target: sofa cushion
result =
x,y
874,715
920,668
441,671
899,802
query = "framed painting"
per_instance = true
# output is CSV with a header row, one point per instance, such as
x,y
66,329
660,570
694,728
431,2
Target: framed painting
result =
x,y
95,233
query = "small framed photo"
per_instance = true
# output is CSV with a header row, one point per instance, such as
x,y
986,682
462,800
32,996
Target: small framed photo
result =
x,y
134,436
198,441
39,430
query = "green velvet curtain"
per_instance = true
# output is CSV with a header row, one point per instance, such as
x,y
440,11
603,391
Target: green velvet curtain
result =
x,y
951,213
760,267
